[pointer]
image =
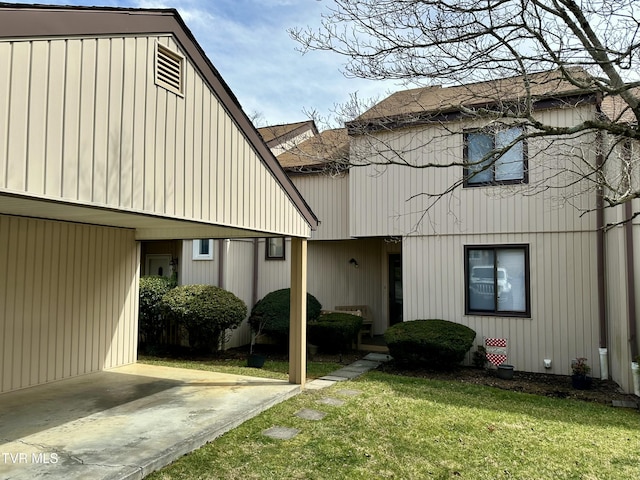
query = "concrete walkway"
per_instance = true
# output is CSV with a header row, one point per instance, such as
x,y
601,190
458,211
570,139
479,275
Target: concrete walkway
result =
x,y
127,422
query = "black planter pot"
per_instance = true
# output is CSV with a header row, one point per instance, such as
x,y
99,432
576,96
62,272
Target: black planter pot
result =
x,y
505,371
581,382
255,360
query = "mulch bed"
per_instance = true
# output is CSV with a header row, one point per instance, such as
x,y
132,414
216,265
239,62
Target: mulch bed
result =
x,y
558,386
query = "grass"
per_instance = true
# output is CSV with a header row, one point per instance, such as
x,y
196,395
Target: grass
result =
x,y
409,428
272,368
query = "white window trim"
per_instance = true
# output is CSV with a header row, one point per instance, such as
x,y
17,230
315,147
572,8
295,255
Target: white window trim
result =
x,y
196,249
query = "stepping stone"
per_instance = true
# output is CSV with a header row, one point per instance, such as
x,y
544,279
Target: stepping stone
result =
x,y
281,433
351,393
334,402
333,378
365,365
346,373
624,404
309,414
318,384
378,357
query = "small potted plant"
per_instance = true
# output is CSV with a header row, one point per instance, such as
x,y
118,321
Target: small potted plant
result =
x,y
580,378
256,360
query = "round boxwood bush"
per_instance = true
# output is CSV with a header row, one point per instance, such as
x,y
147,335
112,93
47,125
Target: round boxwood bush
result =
x,y
334,332
150,320
271,314
436,344
205,311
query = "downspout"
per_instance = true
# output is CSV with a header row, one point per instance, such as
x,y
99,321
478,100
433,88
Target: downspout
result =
x,y
631,279
600,262
256,265
223,248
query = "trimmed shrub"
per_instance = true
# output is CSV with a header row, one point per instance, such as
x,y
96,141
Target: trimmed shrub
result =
x,y
334,331
150,320
205,311
435,344
271,314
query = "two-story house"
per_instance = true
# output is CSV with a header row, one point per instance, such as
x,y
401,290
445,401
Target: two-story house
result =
x,y
416,223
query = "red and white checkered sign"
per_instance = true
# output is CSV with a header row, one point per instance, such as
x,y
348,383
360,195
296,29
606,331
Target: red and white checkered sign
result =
x,y
496,350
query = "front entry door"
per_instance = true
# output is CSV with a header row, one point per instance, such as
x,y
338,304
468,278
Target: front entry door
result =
x,y
158,265
395,288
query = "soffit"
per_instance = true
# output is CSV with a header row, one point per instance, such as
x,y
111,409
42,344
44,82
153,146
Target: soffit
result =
x,y
147,227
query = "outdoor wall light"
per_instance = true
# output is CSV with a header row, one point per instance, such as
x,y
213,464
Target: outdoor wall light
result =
x,y
354,262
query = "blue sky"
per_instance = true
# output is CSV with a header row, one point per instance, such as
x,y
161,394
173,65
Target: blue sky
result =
x,y
247,41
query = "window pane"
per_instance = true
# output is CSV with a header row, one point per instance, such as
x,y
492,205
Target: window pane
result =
x,y
479,145
204,247
510,166
276,248
511,280
481,280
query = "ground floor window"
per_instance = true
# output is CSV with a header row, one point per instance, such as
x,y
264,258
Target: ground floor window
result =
x,y
497,280
203,249
275,248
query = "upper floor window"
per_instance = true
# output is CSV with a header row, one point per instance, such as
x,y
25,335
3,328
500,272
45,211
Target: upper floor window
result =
x,y
275,248
485,168
497,280
203,249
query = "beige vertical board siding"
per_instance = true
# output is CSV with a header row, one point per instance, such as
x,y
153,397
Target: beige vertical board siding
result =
x,y
37,117
274,274
617,293
17,121
617,311
198,272
82,119
5,99
68,300
328,197
124,149
54,133
239,276
332,279
391,201
563,323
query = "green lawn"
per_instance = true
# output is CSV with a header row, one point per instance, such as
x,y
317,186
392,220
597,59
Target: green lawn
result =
x,y
272,368
408,428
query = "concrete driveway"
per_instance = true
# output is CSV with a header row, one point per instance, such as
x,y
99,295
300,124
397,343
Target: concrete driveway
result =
x,y
126,422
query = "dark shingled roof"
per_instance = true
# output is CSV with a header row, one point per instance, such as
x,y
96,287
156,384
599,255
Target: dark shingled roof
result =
x,y
436,100
317,152
275,134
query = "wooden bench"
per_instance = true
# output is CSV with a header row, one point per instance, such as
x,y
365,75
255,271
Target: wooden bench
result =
x,y
367,318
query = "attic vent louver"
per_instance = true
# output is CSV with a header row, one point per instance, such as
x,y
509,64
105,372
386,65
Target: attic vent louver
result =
x,y
169,69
